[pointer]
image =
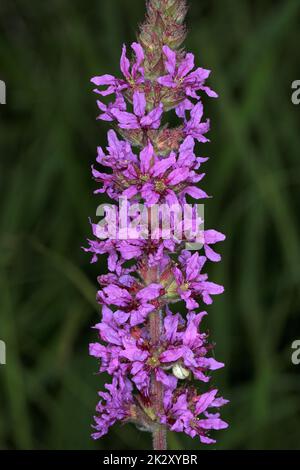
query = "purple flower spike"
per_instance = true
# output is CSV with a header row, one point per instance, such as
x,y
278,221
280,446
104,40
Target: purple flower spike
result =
x,y
155,357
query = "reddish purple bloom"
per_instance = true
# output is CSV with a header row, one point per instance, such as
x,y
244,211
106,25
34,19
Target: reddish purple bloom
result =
x,y
114,405
189,413
107,111
139,119
151,178
181,75
133,77
134,301
182,352
194,127
192,284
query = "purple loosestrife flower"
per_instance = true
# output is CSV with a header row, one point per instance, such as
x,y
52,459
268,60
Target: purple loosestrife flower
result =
x,y
183,413
182,77
134,302
107,111
192,284
208,238
119,153
182,350
155,251
152,353
139,119
150,178
133,77
194,127
114,406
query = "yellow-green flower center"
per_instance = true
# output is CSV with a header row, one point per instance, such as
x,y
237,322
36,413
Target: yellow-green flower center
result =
x,y
160,186
144,178
153,362
185,287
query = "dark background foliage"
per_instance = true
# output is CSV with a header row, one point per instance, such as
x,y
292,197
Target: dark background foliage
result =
x,y
48,52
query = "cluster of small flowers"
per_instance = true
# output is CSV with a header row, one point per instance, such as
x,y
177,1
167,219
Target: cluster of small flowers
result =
x,y
148,277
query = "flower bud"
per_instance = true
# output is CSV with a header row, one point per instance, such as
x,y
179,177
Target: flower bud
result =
x,y
164,26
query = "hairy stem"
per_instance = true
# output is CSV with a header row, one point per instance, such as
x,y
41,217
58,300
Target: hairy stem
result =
x,y
160,432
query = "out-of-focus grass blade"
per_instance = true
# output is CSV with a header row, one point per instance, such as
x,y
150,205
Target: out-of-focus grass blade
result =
x,y
13,375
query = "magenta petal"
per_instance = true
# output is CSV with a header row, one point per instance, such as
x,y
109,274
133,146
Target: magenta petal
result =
x,y
139,104
149,195
177,176
150,293
184,106
193,267
186,65
129,250
103,80
146,156
212,237
212,288
210,92
215,423
200,75
126,120
121,317
210,363
178,276
153,118
211,254
188,145
167,81
205,401
197,113
195,192
139,53
169,381
171,324
219,402
112,260
170,63
109,334
140,315
96,350
131,351
163,165
172,355
130,192
124,63
177,426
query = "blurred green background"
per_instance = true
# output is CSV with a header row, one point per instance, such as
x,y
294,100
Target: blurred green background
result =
x,y
48,140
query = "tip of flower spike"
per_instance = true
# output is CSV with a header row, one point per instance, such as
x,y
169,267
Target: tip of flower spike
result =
x,y
164,25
